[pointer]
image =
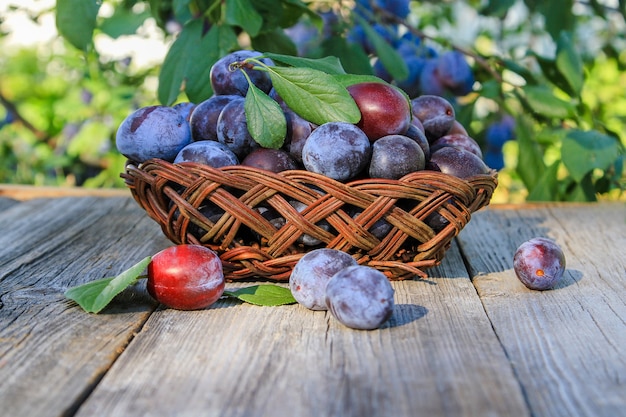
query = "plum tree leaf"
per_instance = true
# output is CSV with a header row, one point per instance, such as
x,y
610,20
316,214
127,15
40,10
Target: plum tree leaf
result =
x,y
583,151
329,64
390,58
188,62
76,21
263,295
242,13
265,119
314,95
95,295
530,165
542,101
569,63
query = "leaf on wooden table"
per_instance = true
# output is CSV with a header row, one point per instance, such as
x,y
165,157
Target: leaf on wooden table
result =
x,y
263,295
95,295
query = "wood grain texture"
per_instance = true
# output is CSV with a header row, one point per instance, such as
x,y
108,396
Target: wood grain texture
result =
x,y
52,353
454,346
437,356
567,345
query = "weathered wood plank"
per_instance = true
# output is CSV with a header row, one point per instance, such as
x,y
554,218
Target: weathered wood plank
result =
x,y
5,203
567,345
438,356
28,192
52,353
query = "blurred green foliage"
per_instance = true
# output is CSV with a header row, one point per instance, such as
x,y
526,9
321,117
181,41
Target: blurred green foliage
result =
x,y
558,70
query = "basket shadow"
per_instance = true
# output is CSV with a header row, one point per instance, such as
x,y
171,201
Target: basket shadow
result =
x,y
405,314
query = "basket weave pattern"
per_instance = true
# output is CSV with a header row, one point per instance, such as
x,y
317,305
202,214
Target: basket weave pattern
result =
x,y
252,246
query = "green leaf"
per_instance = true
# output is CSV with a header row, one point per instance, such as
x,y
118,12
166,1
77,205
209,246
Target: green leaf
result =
x,y
241,13
314,95
547,186
584,151
583,191
76,20
188,62
530,165
123,22
569,63
329,65
558,15
263,295
215,44
95,295
274,41
181,10
543,102
390,58
351,55
265,119
519,69
497,8
350,79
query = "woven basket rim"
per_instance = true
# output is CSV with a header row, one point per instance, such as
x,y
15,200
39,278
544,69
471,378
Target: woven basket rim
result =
x,y
174,194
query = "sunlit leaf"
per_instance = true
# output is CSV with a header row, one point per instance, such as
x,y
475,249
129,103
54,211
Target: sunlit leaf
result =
x,y
188,62
95,295
583,151
569,63
242,13
328,64
265,119
76,20
263,295
314,95
543,102
393,62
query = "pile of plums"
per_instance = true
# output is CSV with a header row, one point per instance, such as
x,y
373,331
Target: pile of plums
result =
x,y
358,296
394,137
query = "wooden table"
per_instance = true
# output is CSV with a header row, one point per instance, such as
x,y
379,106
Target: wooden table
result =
x,y
470,340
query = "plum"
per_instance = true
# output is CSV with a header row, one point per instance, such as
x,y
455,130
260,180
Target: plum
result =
x,y
298,130
394,156
457,127
360,297
232,129
186,277
227,80
384,109
436,114
338,150
312,272
207,152
275,160
203,119
414,132
455,73
457,162
539,263
185,108
457,140
153,132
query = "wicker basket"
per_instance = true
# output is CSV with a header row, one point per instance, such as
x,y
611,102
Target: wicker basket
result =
x,y
337,215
